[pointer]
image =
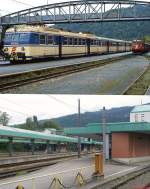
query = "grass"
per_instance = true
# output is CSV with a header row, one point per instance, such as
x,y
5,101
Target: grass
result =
x,y
142,84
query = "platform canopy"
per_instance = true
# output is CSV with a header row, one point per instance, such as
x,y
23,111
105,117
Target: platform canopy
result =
x,y
94,130
23,136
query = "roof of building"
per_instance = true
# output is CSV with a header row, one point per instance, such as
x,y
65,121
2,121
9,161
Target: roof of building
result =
x,y
141,108
27,135
96,128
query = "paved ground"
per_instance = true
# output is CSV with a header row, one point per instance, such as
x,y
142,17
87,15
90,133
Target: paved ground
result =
x,y
54,63
66,171
109,79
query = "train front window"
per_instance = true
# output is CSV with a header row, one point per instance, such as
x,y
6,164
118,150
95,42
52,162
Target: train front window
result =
x,y
23,36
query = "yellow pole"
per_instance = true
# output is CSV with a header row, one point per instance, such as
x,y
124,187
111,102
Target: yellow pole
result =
x,y
33,183
99,164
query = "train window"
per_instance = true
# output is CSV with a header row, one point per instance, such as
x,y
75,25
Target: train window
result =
x,y
15,37
8,37
70,41
42,39
50,39
83,42
75,41
100,43
65,42
80,42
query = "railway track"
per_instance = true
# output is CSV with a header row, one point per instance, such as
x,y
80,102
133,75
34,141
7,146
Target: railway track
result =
x,y
19,79
13,169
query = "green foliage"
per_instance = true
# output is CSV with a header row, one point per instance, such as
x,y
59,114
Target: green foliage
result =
x,y
35,125
147,38
4,118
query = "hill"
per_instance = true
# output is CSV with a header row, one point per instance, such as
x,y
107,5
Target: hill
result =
x,y
121,114
128,30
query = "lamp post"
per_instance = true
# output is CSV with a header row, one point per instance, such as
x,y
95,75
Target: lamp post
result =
x,y
104,132
79,124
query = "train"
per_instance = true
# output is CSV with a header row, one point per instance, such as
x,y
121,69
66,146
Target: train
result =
x,y
29,42
139,46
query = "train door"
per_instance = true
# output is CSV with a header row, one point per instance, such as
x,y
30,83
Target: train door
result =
x,y
88,46
108,47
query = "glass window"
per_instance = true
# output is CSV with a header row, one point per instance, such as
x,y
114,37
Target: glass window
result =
x,y
8,37
23,36
75,41
83,41
65,42
70,41
142,117
15,37
136,117
80,42
42,39
50,39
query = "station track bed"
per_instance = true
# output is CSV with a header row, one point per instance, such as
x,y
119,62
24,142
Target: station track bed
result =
x,y
11,81
141,85
12,169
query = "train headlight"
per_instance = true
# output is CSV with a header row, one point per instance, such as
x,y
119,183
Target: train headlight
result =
x,y
6,49
22,49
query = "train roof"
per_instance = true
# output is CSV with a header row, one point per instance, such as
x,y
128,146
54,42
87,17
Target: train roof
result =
x,y
46,29
50,30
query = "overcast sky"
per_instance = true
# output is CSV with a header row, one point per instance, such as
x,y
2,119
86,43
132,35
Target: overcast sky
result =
x,y
19,107
15,5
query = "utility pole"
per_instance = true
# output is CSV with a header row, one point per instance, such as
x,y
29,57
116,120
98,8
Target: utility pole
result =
x,y
104,132
79,125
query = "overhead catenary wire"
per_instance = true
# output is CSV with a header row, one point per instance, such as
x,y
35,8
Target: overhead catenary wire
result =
x,y
27,108
20,105
12,110
20,2
66,103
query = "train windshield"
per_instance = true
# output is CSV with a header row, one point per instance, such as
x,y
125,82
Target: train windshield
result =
x,y
17,38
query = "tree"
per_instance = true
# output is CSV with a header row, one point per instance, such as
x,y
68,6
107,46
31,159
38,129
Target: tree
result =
x,y
29,121
50,124
4,118
35,119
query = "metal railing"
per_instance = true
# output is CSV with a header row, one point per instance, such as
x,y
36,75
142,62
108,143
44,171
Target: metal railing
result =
x,y
80,11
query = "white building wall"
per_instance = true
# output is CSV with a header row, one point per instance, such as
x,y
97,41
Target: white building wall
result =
x,y
140,117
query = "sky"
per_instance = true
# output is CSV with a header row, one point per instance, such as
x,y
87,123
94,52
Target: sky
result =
x,y
8,6
19,107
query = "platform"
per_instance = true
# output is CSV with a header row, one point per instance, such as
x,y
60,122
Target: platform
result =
x,y
65,171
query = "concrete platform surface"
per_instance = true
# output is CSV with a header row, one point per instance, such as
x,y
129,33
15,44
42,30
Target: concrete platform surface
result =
x,y
65,171
130,161
54,63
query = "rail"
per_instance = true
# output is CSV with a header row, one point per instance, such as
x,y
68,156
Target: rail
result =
x,y
54,175
43,74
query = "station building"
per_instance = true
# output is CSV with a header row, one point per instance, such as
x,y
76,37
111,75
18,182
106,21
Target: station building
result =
x,y
124,139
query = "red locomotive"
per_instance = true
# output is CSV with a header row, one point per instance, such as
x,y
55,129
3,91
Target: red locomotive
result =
x,y
138,46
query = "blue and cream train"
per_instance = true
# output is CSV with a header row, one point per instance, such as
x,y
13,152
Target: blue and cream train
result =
x,y
33,42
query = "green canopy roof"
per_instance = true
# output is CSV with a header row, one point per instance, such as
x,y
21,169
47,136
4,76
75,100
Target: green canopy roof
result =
x,y
96,128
